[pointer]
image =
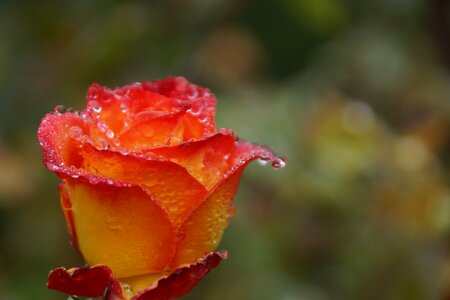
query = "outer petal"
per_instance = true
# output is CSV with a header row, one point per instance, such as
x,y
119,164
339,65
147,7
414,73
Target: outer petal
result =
x,y
170,185
121,227
182,280
55,137
97,281
207,160
61,136
203,230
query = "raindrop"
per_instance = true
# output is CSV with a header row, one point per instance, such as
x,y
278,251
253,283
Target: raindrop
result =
x,y
84,115
53,167
95,106
262,162
59,109
194,112
124,108
109,133
192,93
279,163
101,144
127,288
76,131
93,180
203,119
123,150
113,222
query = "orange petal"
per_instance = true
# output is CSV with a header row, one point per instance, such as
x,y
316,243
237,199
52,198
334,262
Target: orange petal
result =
x,y
170,185
203,230
153,130
121,227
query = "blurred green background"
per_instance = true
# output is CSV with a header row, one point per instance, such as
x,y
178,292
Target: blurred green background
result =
x,y
355,93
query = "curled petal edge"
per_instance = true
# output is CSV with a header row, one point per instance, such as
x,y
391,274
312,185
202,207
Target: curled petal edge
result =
x,y
99,281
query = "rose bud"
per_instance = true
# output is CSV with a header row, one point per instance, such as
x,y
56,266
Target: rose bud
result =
x,y
147,187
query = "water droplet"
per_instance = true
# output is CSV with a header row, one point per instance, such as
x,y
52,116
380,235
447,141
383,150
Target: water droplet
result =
x,y
278,163
109,181
127,288
109,133
85,139
206,94
53,167
203,119
101,144
262,162
95,106
76,131
113,222
123,107
123,150
93,180
194,111
173,141
84,115
192,93
59,109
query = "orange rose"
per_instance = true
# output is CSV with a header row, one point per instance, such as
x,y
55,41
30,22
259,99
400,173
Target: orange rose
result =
x,y
147,187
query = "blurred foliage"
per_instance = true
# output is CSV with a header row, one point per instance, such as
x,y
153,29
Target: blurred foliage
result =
x,y
356,94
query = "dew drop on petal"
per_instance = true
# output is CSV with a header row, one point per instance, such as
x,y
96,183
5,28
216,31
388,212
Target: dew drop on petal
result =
x,y
76,131
84,115
192,93
101,144
53,167
59,109
278,163
194,111
262,162
123,107
203,119
95,106
109,133
93,180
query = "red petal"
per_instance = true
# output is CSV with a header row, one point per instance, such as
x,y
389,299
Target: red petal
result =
x,y
199,119
97,281
182,280
62,148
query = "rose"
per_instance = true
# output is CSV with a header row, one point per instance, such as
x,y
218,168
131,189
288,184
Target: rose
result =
x,y
147,186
